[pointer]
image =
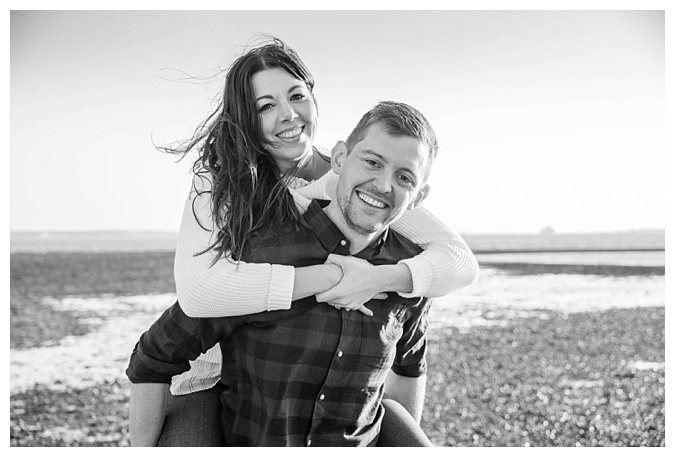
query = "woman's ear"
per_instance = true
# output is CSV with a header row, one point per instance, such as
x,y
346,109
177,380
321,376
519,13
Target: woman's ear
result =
x,y
338,156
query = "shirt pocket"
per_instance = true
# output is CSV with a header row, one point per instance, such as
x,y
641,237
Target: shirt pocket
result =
x,y
380,333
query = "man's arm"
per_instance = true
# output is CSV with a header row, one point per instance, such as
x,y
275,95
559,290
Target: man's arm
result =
x,y
408,391
146,413
162,352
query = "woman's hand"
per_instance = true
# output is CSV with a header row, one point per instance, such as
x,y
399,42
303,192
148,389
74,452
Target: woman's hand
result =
x,y
359,284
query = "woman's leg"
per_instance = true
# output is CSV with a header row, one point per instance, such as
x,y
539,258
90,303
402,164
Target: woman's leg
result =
x,y
399,429
193,420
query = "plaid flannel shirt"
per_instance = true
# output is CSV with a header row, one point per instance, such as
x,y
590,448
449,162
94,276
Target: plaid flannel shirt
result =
x,y
310,375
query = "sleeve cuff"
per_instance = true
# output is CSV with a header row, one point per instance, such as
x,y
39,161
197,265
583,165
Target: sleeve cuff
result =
x,y
420,272
411,371
281,287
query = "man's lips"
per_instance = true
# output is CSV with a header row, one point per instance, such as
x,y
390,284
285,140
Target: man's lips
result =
x,y
372,201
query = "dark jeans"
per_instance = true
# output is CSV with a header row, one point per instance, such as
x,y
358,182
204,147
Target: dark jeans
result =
x,y
194,421
399,429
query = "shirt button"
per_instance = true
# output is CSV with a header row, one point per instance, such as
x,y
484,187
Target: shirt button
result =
x,y
309,442
339,353
322,397
343,242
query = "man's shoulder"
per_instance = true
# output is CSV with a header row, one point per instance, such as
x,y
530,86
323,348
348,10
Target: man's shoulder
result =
x,y
400,246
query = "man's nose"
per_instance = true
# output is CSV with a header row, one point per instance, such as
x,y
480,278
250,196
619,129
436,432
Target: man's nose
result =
x,y
382,183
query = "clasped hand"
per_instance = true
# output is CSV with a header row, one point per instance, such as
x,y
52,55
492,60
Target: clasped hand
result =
x,y
359,284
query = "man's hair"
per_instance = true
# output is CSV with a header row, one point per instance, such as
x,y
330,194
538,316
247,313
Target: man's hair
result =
x,y
397,119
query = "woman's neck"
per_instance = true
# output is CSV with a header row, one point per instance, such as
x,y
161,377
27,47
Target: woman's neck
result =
x,y
312,166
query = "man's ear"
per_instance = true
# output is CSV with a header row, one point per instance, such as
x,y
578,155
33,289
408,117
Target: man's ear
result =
x,y
420,197
338,156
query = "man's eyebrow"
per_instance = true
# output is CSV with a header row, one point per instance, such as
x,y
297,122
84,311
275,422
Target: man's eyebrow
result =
x,y
297,86
371,152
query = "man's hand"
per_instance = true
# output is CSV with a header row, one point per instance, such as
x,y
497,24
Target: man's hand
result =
x,y
359,284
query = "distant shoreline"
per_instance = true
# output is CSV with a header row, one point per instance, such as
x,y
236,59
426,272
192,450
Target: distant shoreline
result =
x,y
138,241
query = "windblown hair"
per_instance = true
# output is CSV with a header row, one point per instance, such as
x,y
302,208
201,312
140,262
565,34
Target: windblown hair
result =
x,y
247,192
397,119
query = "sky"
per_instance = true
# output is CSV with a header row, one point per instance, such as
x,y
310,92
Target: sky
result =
x,y
544,118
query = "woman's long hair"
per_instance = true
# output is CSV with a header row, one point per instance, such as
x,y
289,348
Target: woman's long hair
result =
x,y
247,192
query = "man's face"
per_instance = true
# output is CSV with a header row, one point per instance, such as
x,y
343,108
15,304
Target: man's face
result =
x,y
380,177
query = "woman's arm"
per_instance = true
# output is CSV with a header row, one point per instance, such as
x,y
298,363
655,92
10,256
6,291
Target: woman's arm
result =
x,y
446,265
231,289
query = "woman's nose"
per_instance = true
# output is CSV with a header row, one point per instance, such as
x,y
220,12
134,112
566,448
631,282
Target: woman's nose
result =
x,y
288,112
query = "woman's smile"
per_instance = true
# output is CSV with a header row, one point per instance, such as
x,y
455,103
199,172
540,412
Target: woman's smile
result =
x,y
291,133
287,113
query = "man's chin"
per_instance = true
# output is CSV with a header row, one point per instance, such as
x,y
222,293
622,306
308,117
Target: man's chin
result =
x,y
366,228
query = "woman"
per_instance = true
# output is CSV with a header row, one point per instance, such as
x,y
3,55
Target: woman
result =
x,y
254,148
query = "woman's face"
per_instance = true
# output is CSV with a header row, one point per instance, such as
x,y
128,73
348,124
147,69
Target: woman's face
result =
x,y
288,115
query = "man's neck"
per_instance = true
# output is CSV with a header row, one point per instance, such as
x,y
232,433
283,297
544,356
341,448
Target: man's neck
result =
x,y
357,241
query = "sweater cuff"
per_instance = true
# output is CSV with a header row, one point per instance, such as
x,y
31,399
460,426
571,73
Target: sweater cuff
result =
x,y
420,272
281,287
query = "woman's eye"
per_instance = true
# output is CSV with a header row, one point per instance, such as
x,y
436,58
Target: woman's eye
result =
x,y
265,107
296,97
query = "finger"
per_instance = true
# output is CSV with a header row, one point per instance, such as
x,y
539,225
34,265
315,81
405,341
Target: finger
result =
x,y
334,258
323,297
365,311
380,296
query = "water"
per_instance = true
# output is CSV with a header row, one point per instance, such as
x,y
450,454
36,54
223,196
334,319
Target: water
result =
x,y
103,241
622,258
495,300
499,297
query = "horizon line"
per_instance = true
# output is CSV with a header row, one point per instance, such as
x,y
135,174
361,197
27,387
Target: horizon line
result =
x,y
471,233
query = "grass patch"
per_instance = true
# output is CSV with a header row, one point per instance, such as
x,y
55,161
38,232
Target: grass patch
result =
x,y
529,269
59,274
43,417
563,381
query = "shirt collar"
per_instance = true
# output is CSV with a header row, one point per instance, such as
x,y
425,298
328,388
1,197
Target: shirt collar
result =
x,y
331,237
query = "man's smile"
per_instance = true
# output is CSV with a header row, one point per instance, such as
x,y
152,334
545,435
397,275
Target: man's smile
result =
x,y
371,201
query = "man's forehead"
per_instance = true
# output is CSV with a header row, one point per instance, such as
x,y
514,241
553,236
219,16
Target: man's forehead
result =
x,y
404,148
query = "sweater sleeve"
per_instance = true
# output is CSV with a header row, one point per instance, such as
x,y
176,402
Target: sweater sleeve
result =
x,y
445,266
224,288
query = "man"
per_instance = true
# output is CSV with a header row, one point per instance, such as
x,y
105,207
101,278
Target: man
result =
x,y
314,375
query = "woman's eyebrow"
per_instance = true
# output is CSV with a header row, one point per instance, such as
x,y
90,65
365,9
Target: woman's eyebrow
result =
x,y
297,86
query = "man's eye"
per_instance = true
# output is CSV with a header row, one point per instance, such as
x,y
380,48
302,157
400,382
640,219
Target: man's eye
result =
x,y
372,163
406,179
